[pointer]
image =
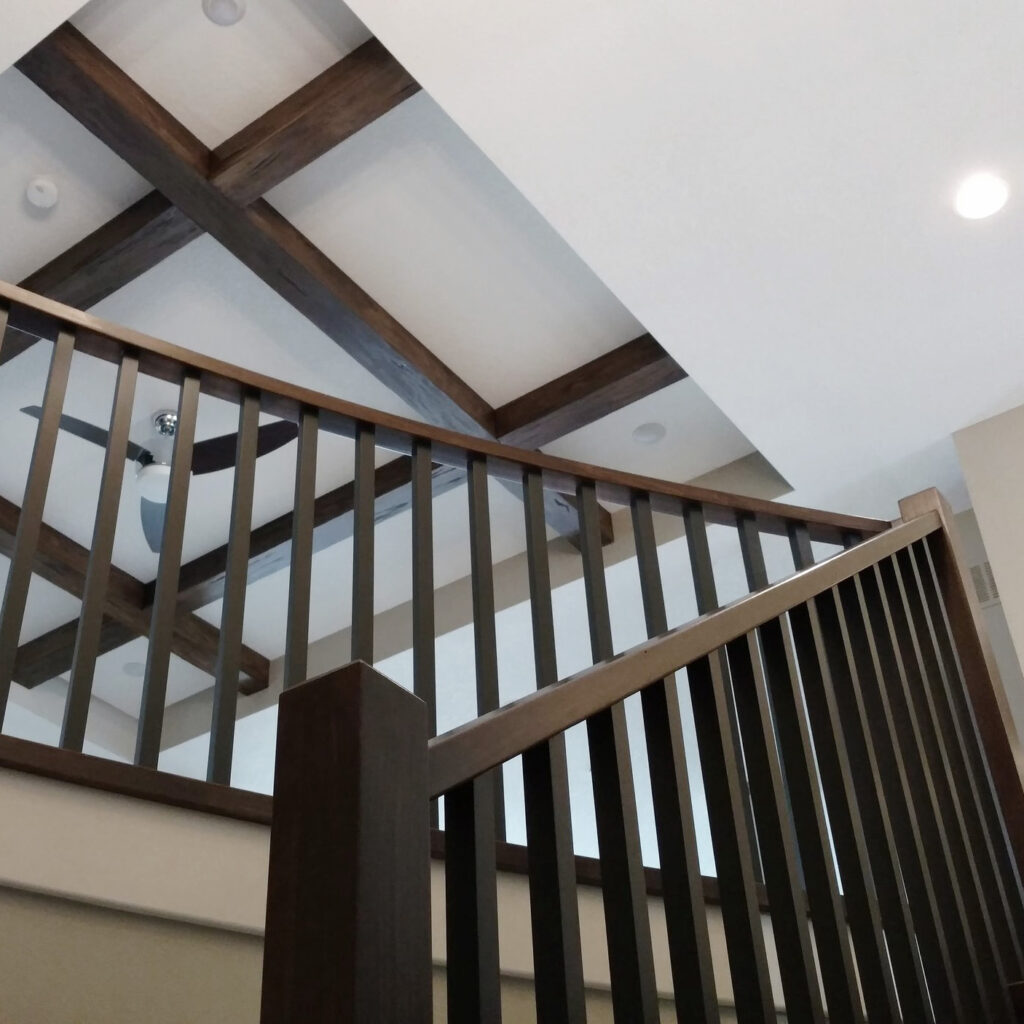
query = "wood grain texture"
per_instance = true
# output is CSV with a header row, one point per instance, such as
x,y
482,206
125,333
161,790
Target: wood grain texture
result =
x,y
335,105
79,77
625,375
62,562
348,894
51,654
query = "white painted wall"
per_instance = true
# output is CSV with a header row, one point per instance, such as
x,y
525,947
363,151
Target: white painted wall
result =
x,y
25,22
992,456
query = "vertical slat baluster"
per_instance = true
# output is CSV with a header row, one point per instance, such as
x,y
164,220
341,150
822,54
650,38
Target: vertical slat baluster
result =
x,y
471,904
471,812
630,952
944,983
682,887
4,317
165,594
424,657
19,575
782,696
557,956
870,825
906,733
362,546
229,646
296,651
484,637
727,799
916,708
90,623
847,826
957,706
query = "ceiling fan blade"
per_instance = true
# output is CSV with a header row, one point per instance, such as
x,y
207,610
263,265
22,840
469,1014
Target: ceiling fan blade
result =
x,y
217,453
86,431
152,513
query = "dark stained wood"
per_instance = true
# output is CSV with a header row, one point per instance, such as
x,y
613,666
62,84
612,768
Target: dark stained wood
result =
x,y
62,562
980,673
348,909
50,655
160,359
612,381
115,254
495,738
335,105
79,77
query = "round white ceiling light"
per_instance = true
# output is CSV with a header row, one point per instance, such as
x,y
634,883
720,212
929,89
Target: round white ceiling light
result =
x,y
649,433
981,195
134,669
42,192
224,12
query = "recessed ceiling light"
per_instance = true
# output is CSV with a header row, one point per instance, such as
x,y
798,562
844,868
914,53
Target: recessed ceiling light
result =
x,y
42,192
134,669
649,433
981,195
224,12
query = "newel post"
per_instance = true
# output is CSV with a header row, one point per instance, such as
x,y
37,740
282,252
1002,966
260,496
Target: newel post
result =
x,y
981,674
348,899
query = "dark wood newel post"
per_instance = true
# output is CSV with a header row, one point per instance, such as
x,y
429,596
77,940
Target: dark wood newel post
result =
x,y
348,899
981,674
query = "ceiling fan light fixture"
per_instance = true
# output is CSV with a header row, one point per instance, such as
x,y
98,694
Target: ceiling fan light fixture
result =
x,y
152,479
981,195
224,12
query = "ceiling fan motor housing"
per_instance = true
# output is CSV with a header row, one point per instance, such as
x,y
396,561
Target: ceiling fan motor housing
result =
x,y
152,478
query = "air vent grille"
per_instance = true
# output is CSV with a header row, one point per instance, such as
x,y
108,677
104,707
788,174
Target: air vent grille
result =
x,y
985,583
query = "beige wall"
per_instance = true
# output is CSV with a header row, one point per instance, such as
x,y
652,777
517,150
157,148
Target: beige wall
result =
x,y
992,456
195,886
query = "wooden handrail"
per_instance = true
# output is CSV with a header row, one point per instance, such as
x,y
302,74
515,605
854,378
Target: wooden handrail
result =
x,y
491,740
40,317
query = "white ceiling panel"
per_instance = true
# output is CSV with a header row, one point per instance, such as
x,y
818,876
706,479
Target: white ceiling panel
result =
x,y
421,219
38,138
216,80
28,21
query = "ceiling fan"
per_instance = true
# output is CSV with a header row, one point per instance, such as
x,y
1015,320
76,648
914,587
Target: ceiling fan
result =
x,y
153,458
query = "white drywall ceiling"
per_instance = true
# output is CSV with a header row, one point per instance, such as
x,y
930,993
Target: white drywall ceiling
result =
x,y
25,22
768,189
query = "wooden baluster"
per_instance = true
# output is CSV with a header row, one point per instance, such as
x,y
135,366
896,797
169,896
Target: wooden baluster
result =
x,y
424,656
760,692
727,799
861,826
229,647
915,709
554,910
90,622
165,594
944,982
296,652
348,897
19,575
484,638
630,952
471,811
693,978
811,653
362,546
956,708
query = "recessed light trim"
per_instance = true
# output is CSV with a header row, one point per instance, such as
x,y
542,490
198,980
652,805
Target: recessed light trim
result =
x,y
224,12
42,192
134,669
649,433
981,195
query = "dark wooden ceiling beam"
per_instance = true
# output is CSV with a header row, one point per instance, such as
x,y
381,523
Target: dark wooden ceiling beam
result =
x,y
51,654
335,105
584,395
61,561
79,77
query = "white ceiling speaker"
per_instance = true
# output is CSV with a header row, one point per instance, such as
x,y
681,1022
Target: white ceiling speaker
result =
x,y
981,195
649,433
42,192
224,12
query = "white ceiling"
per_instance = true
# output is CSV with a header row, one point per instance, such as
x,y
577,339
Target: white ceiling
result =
x,y
28,21
768,189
